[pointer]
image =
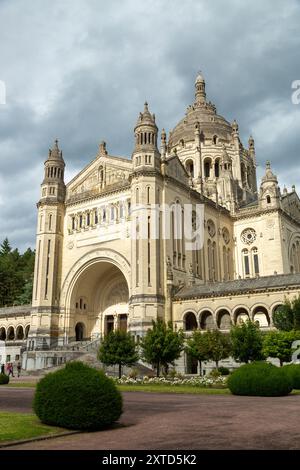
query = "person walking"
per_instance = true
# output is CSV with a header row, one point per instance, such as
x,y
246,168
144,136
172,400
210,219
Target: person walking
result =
x,y
10,369
19,369
2,369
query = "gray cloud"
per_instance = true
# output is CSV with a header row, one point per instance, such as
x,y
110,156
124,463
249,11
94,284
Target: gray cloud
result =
x,y
81,71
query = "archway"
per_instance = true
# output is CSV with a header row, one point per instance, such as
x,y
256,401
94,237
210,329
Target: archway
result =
x,y
27,329
2,334
261,316
20,332
190,321
79,331
190,167
10,336
241,315
207,321
99,297
224,320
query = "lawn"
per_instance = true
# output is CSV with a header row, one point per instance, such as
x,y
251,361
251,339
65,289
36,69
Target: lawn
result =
x,y
16,426
158,388
20,385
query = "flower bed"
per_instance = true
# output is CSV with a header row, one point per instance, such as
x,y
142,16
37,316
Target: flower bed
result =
x,y
204,381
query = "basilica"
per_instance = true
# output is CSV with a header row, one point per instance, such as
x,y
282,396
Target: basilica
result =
x,y
99,267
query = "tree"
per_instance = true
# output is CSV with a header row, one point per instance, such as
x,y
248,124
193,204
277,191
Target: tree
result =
x,y
218,345
5,247
246,342
197,347
16,274
287,316
278,344
118,347
161,346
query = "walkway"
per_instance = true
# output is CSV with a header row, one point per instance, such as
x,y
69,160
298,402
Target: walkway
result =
x,y
165,421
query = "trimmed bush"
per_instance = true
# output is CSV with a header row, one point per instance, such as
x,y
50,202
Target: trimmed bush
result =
x,y
293,372
224,370
77,397
4,379
260,379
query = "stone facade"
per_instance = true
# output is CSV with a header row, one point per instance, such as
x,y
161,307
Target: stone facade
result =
x,y
99,265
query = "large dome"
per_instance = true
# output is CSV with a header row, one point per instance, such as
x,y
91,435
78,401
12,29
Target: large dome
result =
x,y
205,114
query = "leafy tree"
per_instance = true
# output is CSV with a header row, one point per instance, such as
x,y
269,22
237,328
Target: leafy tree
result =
x,y
246,342
161,345
278,344
25,297
218,345
287,316
16,273
118,347
197,347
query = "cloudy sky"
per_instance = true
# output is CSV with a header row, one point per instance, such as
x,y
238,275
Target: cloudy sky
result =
x,y
80,70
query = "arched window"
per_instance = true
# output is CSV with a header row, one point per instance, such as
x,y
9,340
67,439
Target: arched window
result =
x,y
217,168
214,261
137,196
50,221
209,260
255,261
246,263
268,199
215,139
148,194
207,164
112,213
190,168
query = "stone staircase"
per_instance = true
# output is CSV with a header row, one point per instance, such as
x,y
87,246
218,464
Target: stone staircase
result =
x,y
86,351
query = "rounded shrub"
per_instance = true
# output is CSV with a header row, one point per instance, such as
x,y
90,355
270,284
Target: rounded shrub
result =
x,y
293,372
260,379
77,397
224,370
4,379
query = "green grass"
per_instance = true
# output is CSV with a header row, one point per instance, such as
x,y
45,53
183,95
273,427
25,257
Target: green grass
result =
x,y
21,385
157,388
16,426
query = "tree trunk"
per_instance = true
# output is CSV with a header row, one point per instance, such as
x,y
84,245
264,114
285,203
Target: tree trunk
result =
x,y
200,368
120,371
281,362
217,365
157,369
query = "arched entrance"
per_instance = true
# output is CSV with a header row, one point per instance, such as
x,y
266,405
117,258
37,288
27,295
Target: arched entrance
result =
x,y
79,331
97,299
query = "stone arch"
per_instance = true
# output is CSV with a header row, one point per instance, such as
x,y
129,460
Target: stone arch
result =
x,y
223,319
95,256
27,329
10,334
99,275
207,164
241,313
207,320
19,332
190,167
260,314
2,333
190,321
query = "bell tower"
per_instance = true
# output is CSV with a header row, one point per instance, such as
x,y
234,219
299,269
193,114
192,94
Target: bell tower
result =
x,y
146,302
49,240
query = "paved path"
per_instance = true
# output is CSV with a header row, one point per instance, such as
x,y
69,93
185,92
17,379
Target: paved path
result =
x,y
165,421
